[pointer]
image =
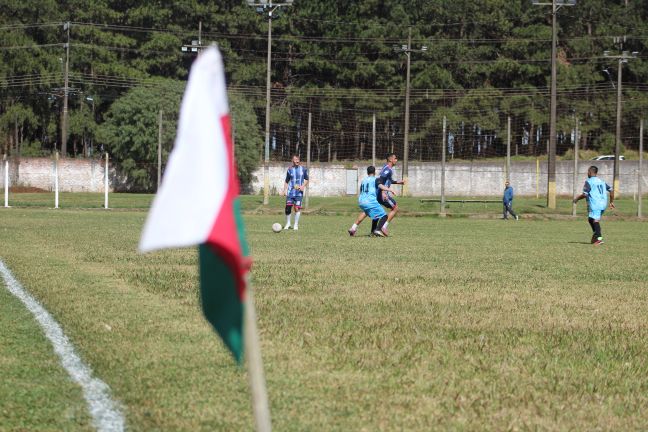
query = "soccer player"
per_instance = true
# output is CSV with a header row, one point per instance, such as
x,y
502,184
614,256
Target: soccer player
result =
x,y
384,196
368,202
294,186
507,199
596,191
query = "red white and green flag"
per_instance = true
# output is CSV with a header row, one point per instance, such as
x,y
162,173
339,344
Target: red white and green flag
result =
x,y
197,203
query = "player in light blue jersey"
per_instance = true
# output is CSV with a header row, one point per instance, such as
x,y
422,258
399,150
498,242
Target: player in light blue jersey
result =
x,y
596,192
385,196
294,186
368,203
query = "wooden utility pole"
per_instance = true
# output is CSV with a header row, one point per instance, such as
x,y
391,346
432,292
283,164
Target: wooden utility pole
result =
x,y
159,152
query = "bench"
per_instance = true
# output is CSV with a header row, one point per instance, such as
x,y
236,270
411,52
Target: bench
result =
x,y
462,201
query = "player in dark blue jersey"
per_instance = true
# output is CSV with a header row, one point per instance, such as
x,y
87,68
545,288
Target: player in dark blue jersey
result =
x,y
596,191
385,196
294,186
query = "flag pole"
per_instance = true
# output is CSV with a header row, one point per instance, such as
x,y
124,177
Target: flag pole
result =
x,y
260,407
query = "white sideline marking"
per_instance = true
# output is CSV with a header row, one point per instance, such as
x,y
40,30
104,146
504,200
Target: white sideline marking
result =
x,y
105,413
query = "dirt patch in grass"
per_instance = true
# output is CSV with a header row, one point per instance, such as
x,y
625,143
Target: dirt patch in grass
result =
x,y
26,189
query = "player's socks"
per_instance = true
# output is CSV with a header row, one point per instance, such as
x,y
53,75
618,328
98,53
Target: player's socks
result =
x,y
385,225
354,227
297,215
287,222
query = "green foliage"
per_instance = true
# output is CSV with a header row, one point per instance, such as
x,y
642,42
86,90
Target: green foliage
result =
x,y
130,132
248,138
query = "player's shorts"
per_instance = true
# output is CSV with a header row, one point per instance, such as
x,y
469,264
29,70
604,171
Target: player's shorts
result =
x,y
373,210
596,214
385,199
294,201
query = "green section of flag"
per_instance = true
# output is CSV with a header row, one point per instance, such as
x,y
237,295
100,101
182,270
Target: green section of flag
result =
x,y
220,300
240,227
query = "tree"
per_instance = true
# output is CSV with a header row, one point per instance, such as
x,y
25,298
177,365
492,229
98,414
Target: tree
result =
x,y
130,132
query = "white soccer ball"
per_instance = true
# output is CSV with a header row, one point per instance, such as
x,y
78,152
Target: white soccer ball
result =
x,y
276,227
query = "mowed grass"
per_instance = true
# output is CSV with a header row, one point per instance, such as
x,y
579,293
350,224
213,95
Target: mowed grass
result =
x,y
530,206
447,324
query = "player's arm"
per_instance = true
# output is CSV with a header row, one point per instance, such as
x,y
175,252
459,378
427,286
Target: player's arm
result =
x,y
303,186
385,188
285,189
586,190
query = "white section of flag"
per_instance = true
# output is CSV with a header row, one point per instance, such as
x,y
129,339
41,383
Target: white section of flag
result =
x,y
196,177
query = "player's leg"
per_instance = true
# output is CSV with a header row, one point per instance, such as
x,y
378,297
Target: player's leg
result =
x,y
510,210
297,206
354,227
595,217
380,226
379,216
591,224
288,211
388,202
505,212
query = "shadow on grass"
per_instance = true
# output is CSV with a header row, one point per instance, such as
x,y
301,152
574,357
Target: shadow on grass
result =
x,y
585,243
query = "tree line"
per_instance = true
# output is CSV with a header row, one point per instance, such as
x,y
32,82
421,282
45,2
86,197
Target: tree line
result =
x,y
484,62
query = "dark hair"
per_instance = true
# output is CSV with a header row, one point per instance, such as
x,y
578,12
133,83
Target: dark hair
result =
x,y
294,155
371,170
390,155
594,169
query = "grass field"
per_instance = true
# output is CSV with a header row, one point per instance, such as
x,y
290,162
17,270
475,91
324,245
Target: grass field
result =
x,y
448,324
530,206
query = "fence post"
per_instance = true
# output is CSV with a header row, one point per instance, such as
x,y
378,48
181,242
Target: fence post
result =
x,y
575,175
640,171
537,178
106,183
56,181
159,152
6,181
373,141
442,212
508,150
308,158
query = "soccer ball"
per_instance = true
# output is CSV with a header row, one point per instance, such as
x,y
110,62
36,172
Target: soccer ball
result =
x,y
276,227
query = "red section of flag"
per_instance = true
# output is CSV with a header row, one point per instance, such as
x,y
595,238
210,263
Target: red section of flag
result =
x,y
223,237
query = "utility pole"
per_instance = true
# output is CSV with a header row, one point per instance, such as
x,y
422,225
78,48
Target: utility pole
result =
x,y
508,149
407,49
442,211
640,173
159,152
621,58
64,115
551,156
575,174
267,7
196,45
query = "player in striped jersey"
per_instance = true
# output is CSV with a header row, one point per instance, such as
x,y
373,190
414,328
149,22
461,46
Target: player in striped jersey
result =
x,y
596,192
294,186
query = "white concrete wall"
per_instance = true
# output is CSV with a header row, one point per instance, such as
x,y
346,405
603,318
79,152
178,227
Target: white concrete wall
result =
x,y
75,175
462,179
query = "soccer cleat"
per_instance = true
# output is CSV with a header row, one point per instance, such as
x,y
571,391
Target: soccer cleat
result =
x,y
594,238
296,227
384,231
599,241
517,217
379,233
287,226
351,232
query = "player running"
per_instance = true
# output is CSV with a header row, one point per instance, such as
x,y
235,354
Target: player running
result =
x,y
294,186
596,190
384,196
369,205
